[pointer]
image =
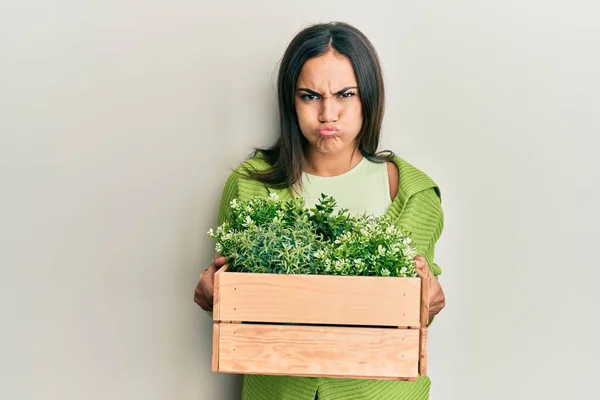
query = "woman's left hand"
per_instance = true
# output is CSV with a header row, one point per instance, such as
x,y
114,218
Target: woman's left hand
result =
x,y
437,299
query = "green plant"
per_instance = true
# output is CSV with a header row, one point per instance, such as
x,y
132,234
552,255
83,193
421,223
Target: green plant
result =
x,y
268,235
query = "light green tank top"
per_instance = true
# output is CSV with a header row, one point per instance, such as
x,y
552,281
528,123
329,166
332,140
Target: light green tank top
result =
x,y
363,189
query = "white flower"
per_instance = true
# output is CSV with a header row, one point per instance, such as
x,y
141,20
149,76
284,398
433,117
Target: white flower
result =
x,y
385,272
234,203
210,232
248,221
359,264
381,250
227,236
410,252
339,265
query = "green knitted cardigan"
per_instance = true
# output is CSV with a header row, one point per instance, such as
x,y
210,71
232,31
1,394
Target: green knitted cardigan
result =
x,y
417,210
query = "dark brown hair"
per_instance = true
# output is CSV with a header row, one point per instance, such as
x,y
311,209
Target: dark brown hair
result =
x,y
287,156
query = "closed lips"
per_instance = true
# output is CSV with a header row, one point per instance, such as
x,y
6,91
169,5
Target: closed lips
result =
x,y
327,131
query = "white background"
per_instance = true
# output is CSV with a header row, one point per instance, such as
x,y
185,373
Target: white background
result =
x,y
120,120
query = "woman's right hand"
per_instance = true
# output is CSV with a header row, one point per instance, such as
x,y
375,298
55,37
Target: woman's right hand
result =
x,y
203,294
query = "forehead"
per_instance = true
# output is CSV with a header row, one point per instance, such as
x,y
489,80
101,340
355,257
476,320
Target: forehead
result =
x,y
328,70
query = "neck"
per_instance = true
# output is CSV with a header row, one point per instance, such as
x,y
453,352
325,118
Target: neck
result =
x,y
324,164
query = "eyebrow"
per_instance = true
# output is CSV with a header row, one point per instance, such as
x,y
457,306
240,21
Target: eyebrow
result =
x,y
342,91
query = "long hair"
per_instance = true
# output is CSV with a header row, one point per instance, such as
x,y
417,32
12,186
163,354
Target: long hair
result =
x,y
287,157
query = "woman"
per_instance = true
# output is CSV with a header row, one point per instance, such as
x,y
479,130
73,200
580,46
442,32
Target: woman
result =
x,y
331,101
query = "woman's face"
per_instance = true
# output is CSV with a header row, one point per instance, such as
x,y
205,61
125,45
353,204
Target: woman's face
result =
x,y
328,104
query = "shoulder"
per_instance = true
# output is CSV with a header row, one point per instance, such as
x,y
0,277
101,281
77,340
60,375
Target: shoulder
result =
x,y
255,163
409,179
241,184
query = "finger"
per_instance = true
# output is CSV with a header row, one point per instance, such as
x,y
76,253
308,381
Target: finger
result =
x,y
207,284
210,271
201,300
206,299
423,270
421,264
219,261
201,281
200,295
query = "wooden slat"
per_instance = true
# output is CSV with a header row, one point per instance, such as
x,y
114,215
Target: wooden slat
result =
x,y
215,350
424,299
423,333
216,297
380,353
423,338
381,378
317,299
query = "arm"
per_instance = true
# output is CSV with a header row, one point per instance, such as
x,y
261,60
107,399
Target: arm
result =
x,y
423,218
203,292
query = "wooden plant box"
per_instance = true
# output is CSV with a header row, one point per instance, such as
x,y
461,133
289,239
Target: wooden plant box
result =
x,y
320,326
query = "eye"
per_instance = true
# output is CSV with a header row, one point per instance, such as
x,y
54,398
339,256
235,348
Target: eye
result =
x,y
309,97
347,95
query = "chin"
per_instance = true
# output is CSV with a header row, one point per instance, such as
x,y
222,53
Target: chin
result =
x,y
328,145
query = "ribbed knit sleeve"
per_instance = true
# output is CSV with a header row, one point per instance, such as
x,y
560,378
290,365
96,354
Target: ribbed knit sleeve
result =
x,y
230,192
423,218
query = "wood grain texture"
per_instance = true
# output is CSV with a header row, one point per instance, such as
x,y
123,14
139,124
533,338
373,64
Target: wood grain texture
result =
x,y
377,353
423,338
216,290
423,333
215,350
424,299
318,299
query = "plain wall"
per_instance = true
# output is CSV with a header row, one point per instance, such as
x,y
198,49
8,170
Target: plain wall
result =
x,y
120,121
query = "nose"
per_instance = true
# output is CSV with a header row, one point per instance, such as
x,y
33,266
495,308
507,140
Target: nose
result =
x,y
329,111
